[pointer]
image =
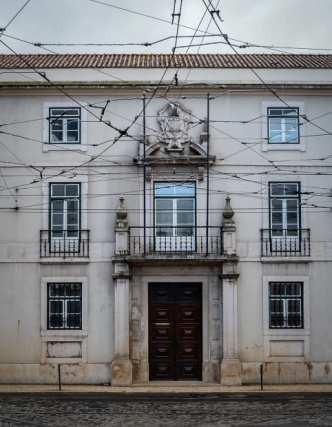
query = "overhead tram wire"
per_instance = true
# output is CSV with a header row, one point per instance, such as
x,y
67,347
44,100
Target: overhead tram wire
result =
x,y
121,133
204,34
266,85
14,17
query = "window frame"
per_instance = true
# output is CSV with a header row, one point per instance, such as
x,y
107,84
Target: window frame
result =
x,y
50,198
172,197
65,140
269,117
65,301
285,299
297,197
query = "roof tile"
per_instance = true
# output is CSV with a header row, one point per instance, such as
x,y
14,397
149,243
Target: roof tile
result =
x,y
166,60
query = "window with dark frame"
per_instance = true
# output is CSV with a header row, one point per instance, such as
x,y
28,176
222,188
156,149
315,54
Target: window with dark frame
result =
x,y
175,209
286,305
284,206
64,210
64,306
283,125
64,125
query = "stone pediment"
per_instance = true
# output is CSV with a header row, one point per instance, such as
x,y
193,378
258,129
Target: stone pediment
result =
x,y
173,142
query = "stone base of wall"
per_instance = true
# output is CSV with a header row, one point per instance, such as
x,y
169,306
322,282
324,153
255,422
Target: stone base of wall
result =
x,y
87,373
287,373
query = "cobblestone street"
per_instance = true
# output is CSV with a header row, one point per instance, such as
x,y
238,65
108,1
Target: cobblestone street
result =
x,y
236,409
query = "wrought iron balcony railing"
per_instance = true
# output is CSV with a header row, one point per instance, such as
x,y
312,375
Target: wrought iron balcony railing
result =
x,y
285,242
181,241
64,244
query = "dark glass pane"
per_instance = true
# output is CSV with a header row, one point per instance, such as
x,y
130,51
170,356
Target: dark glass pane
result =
x,y
72,190
185,204
74,307
72,125
56,289
277,189
72,136
291,189
56,321
58,190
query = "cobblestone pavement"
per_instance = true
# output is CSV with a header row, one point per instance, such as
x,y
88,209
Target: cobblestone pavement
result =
x,y
189,410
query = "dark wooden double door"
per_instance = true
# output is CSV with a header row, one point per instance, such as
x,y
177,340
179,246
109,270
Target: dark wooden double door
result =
x,y
175,331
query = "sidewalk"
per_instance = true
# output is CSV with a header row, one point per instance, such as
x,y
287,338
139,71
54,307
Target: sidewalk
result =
x,y
165,388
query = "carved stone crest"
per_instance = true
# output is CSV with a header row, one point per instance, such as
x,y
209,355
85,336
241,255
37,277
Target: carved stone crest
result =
x,y
174,123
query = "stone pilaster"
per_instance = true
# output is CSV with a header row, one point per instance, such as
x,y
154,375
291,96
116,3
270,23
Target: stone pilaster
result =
x,y
230,365
121,365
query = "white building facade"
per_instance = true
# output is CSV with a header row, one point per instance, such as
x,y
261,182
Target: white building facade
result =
x,y
175,228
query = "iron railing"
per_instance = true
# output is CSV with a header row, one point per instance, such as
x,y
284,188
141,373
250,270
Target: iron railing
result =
x,y
64,244
181,240
285,242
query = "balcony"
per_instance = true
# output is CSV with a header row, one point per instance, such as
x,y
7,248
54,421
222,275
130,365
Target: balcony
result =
x,y
64,244
175,242
285,242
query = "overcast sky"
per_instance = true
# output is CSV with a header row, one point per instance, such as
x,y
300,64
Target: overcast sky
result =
x,y
302,23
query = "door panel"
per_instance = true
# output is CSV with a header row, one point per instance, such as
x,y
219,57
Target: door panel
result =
x,y
175,331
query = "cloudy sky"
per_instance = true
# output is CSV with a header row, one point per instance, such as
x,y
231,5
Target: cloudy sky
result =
x,y
301,23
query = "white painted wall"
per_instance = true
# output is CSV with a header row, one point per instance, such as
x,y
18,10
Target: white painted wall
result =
x,y
21,271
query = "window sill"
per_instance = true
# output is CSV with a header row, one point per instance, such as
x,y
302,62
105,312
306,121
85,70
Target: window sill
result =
x,y
64,147
286,332
283,147
64,333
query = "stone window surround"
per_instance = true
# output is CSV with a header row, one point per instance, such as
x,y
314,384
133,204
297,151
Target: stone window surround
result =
x,y
266,201
84,201
271,335
62,335
282,147
45,128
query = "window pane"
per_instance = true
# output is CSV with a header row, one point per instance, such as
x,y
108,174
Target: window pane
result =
x,y
164,218
185,218
56,136
64,112
73,321
275,130
175,189
56,321
164,204
291,189
57,206
277,189
57,220
56,289
72,190
185,204
58,190
56,307
73,307
72,124
72,136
